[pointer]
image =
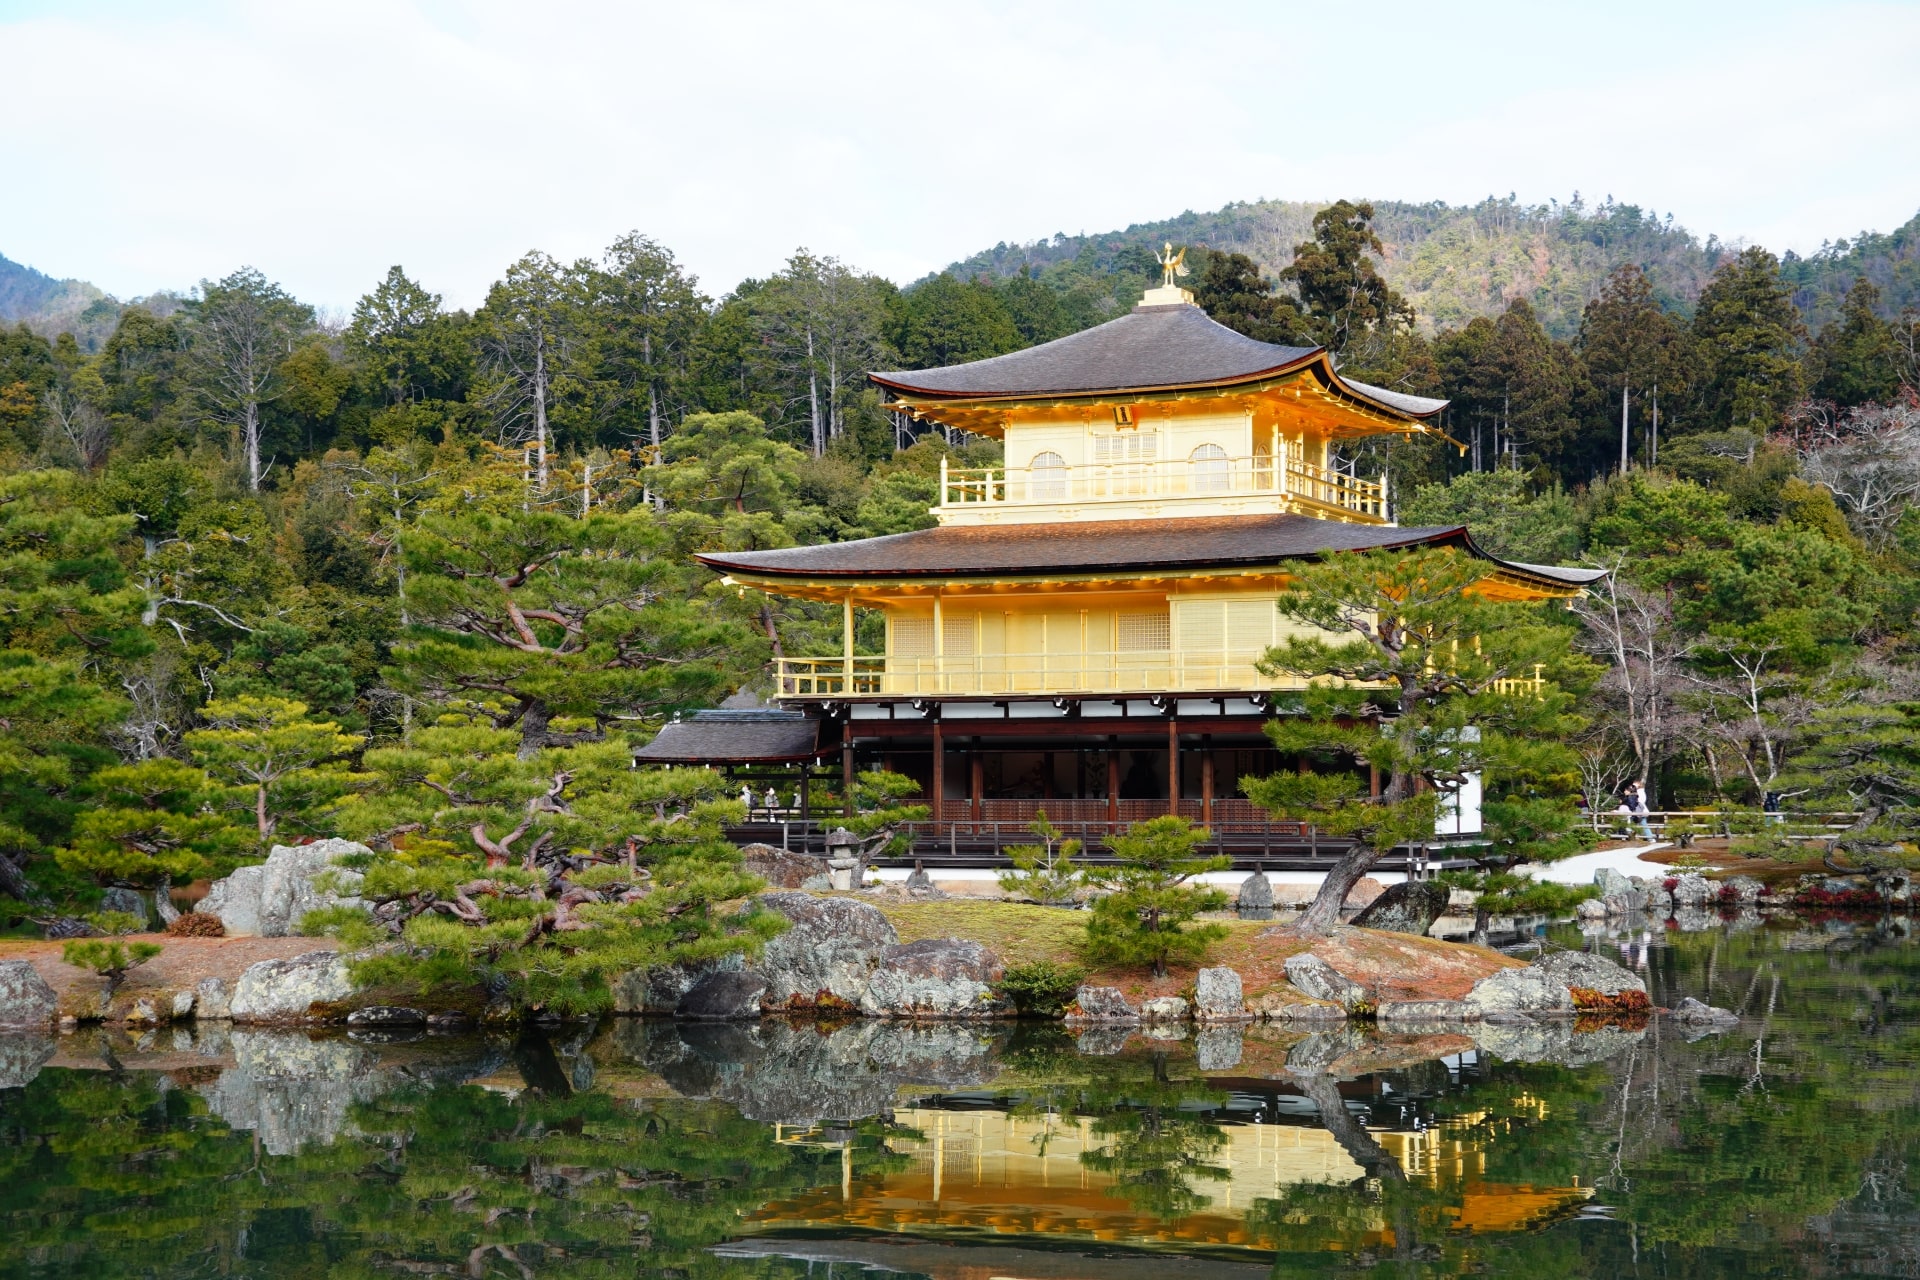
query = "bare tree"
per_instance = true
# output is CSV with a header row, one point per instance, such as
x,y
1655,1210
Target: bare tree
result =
x,y
1869,459
81,431
243,328
1632,630
821,321
1753,714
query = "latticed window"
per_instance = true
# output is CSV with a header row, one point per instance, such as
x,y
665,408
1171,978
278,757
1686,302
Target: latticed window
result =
x,y
1143,632
1049,473
1132,446
1210,473
913,637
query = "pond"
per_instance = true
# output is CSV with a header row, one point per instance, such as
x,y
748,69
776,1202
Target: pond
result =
x,y
644,1148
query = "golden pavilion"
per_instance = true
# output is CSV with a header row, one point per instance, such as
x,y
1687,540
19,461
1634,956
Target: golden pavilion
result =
x,y
1079,629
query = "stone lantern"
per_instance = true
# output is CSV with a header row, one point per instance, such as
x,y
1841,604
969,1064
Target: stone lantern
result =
x,y
843,858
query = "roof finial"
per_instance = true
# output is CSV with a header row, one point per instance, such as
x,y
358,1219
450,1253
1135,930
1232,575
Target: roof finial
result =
x,y
1171,264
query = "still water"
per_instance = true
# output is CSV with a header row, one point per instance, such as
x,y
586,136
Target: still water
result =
x,y
1787,1147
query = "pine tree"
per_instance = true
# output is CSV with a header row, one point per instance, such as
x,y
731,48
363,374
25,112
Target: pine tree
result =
x,y
1044,872
1856,359
150,823
1234,293
529,615
1142,917
282,766
1405,661
1750,338
1345,296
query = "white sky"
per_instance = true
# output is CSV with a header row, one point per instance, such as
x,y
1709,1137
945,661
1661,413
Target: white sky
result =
x,y
146,146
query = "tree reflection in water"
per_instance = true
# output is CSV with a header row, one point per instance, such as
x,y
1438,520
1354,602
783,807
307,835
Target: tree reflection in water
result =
x,y
1158,1139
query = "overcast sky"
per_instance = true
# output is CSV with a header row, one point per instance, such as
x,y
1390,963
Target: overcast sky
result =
x,y
149,145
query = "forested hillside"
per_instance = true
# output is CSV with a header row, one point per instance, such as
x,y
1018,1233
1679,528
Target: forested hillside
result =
x,y
426,577
1457,262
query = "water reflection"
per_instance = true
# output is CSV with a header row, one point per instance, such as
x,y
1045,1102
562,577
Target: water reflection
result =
x,y
648,1148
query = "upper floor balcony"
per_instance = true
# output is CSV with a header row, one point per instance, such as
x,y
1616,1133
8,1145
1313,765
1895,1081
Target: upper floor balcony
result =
x,y
1207,482
1138,673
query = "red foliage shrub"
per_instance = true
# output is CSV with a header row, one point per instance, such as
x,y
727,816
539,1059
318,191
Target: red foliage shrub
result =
x,y
195,924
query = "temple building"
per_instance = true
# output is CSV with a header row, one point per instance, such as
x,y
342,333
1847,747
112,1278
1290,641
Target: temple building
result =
x,y
1079,630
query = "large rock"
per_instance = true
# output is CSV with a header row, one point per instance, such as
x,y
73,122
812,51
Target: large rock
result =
x,y
128,902
1311,976
1583,973
1409,907
387,1016
1693,890
1612,883
1529,990
1217,1048
269,900
1256,893
287,990
828,955
1102,1005
935,978
26,1001
22,1054
724,996
1165,1011
1425,1011
1691,1012
212,1000
1218,996
660,989
781,868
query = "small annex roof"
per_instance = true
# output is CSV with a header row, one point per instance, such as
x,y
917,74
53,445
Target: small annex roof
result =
x,y
1151,348
735,737
1172,544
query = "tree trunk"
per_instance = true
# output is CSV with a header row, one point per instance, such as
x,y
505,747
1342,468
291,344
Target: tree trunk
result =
x,y
813,398
13,882
251,437
1623,428
1324,911
540,408
260,812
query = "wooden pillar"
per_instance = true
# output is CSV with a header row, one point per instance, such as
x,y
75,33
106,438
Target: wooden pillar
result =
x,y
1046,775
1173,765
976,780
1373,781
846,767
939,776
1113,782
939,646
846,645
1206,779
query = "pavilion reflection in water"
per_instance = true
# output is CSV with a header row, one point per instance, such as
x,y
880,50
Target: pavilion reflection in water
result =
x,y
964,1171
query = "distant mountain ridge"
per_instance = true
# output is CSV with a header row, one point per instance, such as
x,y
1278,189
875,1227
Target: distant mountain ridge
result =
x,y
51,306
1455,262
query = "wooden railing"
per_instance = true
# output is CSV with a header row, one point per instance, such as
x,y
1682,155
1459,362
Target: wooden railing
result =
x,y
1199,478
1141,671
1136,672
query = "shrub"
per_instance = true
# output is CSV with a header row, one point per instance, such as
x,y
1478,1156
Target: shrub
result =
x,y
109,959
1141,919
1045,872
197,924
116,923
1041,988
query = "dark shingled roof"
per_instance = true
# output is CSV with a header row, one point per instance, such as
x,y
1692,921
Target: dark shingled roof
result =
x,y
1171,543
1149,348
735,737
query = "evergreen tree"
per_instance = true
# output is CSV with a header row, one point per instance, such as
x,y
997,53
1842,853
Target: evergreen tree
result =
x,y
1750,339
1503,513
150,823
1345,296
1038,311
945,321
284,767
1405,657
408,347
651,309
1234,293
242,329
1142,916
1631,348
529,615
1856,358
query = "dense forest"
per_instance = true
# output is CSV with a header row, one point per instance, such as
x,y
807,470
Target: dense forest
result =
x,y
427,571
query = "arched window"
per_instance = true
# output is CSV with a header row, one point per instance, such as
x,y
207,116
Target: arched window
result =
x,y
1210,471
1049,477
